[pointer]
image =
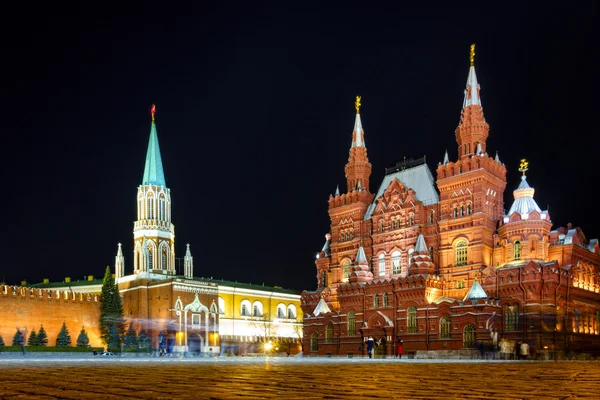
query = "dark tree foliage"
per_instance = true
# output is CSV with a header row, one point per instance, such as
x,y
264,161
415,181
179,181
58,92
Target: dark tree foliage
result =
x,y
143,340
82,339
1,342
18,338
33,339
114,339
111,308
131,339
42,337
63,339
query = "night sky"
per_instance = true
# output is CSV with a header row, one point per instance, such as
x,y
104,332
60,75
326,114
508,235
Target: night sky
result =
x,y
255,111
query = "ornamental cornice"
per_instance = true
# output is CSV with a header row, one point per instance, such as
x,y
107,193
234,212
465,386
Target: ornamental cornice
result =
x,y
191,289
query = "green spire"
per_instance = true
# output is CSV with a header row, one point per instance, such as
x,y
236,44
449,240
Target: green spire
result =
x,y
153,171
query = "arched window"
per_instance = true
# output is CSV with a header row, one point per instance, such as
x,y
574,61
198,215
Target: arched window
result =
x,y
431,217
164,259
150,207
411,319
291,311
455,212
469,209
257,309
347,268
329,333
381,226
376,301
469,336
517,250
431,254
351,234
461,253
351,323
381,265
245,311
161,208
410,255
386,300
411,219
511,317
396,262
281,310
445,328
469,146
324,279
460,169
462,211
150,260
221,306
314,342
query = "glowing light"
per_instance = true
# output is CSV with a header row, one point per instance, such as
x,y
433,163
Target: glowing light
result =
x,y
268,346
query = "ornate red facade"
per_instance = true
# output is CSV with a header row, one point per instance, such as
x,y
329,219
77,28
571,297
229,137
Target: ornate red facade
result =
x,y
440,264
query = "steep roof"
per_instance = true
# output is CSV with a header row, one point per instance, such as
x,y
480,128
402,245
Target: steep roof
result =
x,y
321,308
524,202
476,292
417,178
153,170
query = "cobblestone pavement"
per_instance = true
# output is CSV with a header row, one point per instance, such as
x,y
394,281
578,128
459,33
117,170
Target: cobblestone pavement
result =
x,y
293,378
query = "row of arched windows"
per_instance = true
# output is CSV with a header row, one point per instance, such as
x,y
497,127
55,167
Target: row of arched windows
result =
x,y
462,210
255,309
152,210
395,223
377,299
346,235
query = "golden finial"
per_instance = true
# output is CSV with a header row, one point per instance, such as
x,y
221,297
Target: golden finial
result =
x,y
472,55
524,166
357,104
153,111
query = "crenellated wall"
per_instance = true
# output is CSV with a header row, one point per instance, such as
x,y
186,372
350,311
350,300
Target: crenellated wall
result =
x,y
29,308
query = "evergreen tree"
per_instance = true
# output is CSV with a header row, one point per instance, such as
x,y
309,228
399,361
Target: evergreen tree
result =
x,y
111,309
131,338
33,339
42,337
143,340
82,339
114,339
18,338
1,342
63,339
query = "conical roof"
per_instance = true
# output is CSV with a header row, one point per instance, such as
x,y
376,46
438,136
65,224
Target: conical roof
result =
x,y
153,170
476,292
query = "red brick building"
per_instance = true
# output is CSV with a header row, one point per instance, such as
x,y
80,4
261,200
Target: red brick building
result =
x,y
440,265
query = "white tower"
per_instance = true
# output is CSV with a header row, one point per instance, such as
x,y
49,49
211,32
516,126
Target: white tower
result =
x,y
188,263
119,263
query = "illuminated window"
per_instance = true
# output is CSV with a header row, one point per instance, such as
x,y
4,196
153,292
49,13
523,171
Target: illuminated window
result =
x,y
314,342
460,284
221,306
517,250
164,259
351,323
461,253
445,328
245,309
455,212
329,333
396,262
150,261
431,217
381,265
469,209
386,300
376,301
411,319
347,268
462,211
161,208
280,311
511,317
410,256
469,336
150,207
324,278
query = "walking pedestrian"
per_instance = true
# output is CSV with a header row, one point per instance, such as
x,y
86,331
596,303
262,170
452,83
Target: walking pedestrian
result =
x,y
524,350
370,344
399,348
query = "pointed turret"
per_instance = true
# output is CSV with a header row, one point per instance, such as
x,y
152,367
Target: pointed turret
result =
x,y
358,166
153,170
476,292
119,263
361,271
325,248
337,190
188,263
524,203
472,131
497,159
421,260
446,160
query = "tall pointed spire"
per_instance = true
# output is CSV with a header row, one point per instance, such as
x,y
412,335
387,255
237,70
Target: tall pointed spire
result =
x,y
188,263
119,263
446,160
153,170
472,131
358,166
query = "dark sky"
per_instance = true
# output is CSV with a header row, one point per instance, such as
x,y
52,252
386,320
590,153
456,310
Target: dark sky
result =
x,y
255,110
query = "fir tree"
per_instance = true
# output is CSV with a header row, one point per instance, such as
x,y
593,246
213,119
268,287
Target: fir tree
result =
x,y
63,339
143,340
111,308
18,338
1,342
82,339
42,337
114,339
33,339
131,338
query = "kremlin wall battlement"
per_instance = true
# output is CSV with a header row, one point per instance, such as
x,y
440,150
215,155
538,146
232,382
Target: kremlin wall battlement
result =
x,y
28,309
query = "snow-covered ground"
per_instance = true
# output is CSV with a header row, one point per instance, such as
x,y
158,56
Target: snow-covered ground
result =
x,y
106,377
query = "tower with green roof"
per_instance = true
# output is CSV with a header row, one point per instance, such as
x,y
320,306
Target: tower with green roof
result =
x,y
153,232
